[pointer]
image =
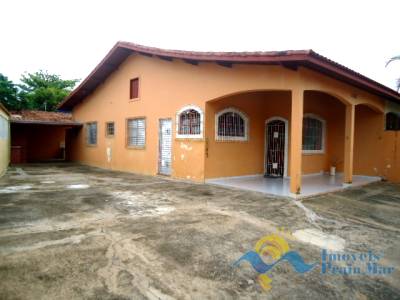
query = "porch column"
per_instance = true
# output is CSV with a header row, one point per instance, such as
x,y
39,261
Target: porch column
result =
x,y
296,140
349,144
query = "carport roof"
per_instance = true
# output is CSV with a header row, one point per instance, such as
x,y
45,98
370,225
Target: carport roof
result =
x,y
43,118
290,59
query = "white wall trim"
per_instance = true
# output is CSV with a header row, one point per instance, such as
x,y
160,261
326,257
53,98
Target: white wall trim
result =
x,y
322,151
232,138
276,118
190,136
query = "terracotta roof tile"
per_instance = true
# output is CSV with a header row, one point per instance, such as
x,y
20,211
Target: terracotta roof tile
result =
x,y
35,116
306,58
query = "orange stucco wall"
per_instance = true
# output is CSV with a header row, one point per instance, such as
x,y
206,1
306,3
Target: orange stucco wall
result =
x,y
391,156
165,87
333,112
236,158
222,156
376,151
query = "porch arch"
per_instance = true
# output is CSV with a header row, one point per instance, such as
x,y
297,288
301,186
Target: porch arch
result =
x,y
344,100
244,92
373,106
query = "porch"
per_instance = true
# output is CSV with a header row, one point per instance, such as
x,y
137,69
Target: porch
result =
x,y
294,138
312,185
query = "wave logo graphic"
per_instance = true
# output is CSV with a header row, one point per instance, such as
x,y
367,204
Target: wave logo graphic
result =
x,y
275,248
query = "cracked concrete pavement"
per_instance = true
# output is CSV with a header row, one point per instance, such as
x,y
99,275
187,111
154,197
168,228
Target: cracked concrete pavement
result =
x,y
75,232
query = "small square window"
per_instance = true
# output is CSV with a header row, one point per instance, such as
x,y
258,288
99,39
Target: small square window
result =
x,y
392,121
134,88
110,129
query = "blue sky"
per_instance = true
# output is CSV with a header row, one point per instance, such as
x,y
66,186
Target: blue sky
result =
x,y
70,37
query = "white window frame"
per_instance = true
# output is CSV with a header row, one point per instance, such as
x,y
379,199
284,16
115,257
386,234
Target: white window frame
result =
x,y
221,138
189,136
323,122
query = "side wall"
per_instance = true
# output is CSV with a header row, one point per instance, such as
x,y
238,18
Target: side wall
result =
x,y
368,142
391,155
391,146
4,141
160,97
376,151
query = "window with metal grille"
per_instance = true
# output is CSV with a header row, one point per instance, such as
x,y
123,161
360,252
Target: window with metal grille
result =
x,y
91,133
110,129
136,132
231,124
392,121
313,134
134,88
189,122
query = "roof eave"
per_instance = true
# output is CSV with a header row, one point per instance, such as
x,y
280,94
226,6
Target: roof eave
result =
x,y
307,58
55,123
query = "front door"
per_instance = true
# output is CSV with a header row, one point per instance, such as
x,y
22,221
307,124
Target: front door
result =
x,y
275,146
165,143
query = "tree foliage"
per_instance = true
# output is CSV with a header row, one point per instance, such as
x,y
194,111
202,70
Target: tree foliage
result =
x,y
43,91
9,94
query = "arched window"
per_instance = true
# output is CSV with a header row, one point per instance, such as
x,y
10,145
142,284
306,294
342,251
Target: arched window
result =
x,y
231,125
189,122
313,134
392,121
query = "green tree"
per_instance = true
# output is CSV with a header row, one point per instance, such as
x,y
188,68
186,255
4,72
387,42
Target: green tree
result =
x,y
44,91
391,60
8,94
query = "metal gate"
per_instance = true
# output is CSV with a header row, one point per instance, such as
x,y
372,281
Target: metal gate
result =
x,y
275,154
165,140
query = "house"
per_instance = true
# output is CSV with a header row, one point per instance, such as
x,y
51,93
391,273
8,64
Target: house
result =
x,y
40,136
227,117
4,139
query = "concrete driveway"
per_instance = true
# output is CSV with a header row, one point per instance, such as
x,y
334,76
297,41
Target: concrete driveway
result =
x,y
75,232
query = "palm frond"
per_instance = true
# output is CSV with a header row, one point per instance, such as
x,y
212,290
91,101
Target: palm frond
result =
x,y
392,59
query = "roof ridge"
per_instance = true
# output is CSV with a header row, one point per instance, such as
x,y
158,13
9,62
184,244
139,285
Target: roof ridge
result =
x,y
198,52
